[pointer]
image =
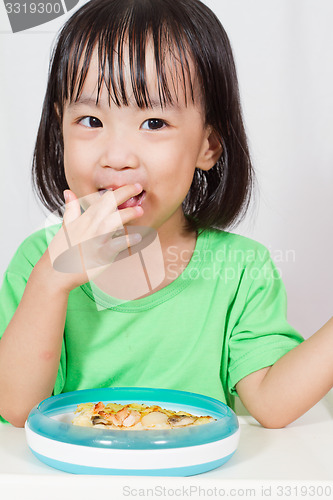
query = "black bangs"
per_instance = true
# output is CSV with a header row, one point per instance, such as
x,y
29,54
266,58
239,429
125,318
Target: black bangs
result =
x,y
121,36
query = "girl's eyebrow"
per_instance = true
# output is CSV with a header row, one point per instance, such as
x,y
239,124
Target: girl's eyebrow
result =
x,y
88,101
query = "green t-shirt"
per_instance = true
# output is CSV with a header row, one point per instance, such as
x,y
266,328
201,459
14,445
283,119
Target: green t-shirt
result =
x,y
223,318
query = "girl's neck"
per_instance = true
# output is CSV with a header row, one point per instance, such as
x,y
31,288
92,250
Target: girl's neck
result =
x,y
177,251
174,232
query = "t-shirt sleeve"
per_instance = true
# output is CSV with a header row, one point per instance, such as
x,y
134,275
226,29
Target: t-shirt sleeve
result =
x,y
261,334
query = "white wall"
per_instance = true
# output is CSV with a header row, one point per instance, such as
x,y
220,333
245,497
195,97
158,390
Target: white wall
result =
x,y
283,52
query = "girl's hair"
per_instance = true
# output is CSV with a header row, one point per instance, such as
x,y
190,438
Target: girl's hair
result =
x,y
182,31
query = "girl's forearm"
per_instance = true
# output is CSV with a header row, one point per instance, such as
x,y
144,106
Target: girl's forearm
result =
x,y
31,346
278,395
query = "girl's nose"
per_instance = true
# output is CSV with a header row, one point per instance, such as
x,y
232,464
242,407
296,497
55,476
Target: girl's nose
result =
x,y
118,152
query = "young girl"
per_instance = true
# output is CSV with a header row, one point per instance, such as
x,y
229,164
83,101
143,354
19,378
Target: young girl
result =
x,y
142,130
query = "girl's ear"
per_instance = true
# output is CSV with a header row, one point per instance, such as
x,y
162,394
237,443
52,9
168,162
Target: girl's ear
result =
x,y
211,150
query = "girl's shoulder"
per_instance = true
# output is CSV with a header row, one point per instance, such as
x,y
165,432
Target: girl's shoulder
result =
x,y
235,244
32,248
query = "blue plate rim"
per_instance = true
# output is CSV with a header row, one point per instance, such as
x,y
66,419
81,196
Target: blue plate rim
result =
x,y
40,421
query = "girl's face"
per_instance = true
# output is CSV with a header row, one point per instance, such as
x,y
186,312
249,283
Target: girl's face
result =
x,y
109,146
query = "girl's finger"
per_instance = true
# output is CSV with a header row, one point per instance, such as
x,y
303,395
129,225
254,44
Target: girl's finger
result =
x,y
122,242
117,220
72,207
129,214
126,192
89,199
110,200
90,255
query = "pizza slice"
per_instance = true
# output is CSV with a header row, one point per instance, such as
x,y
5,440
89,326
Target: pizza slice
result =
x,y
134,417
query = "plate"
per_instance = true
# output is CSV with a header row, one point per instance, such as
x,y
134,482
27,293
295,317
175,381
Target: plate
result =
x,y
169,452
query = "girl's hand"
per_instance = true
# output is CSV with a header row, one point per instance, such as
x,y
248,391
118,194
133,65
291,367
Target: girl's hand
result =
x,y
88,243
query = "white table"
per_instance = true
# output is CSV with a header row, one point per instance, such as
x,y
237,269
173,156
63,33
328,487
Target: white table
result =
x,y
295,462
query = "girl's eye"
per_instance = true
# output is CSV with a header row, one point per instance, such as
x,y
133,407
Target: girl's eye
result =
x,y
90,122
153,124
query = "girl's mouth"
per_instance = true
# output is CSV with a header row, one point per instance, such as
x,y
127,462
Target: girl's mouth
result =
x,y
135,201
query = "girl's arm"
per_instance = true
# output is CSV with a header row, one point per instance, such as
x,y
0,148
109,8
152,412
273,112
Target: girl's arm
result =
x,y
279,394
30,347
